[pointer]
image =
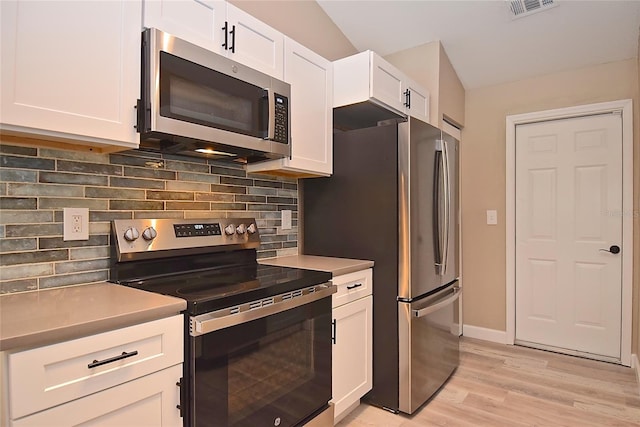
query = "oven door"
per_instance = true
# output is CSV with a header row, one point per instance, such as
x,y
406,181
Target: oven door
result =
x,y
274,370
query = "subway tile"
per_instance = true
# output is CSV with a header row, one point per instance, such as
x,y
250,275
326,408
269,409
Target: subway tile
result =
x,y
16,272
288,207
73,279
159,214
78,266
185,159
150,173
55,190
84,167
17,149
18,245
228,206
255,199
214,197
228,189
235,181
290,186
135,159
97,216
2,232
73,178
79,156
34,230
18,175
3,188
266,254
135,205
261,207
89,253
289,245
287,252
114,193
206,214
188,206
287,193
270,246
99,227
263,191
57,242
281,200
59,203
169,195
270,215
150,184
198,177
34,257
18,203
25,217
186,166
188,186
273,238
218,170
13,286
26,163
263,183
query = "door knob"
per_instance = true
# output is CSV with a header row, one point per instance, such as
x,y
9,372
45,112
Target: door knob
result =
x,y
615,249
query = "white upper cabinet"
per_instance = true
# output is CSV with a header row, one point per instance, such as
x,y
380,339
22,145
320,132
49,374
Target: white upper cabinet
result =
x,y
221,28
71,70
311,80
199,22
368,77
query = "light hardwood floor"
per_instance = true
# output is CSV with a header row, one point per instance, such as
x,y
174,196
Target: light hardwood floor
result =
x,y
499,385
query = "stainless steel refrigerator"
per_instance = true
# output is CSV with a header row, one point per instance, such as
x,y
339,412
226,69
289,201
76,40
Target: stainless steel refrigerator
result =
x,y
393,199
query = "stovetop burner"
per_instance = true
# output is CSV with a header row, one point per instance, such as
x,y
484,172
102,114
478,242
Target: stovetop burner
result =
x,y
209,271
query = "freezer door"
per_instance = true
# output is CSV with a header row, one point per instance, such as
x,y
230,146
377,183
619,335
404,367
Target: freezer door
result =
x,y
418,180
429,346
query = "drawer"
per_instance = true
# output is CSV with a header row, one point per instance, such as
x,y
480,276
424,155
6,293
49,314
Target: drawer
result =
x,y
352,286
47,376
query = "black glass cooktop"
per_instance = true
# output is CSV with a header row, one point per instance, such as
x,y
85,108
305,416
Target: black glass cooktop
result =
x,y
212,289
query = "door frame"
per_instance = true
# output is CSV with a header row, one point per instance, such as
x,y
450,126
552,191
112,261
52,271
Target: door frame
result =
x,y
624,108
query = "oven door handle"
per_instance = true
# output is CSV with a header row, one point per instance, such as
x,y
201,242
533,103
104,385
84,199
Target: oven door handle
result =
x,y
214,321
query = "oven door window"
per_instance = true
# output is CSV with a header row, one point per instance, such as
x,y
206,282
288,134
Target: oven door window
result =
x,y
274,371
192,93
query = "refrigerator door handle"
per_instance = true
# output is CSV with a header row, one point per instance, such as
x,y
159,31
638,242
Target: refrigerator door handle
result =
x,y
437,306
436,209
447,206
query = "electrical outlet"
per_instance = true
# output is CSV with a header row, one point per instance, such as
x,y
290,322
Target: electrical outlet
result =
x,y
492,217
76,224
286,219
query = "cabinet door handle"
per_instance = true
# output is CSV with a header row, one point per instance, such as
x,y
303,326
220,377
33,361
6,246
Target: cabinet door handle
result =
x,y
357,285
407,98
226,36
124,355
233,38
334,338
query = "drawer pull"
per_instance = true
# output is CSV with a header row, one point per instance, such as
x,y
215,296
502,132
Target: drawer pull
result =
x,y
357,285
124,355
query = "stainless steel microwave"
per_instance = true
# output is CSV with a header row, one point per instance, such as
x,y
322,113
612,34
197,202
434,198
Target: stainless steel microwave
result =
x,y
199,103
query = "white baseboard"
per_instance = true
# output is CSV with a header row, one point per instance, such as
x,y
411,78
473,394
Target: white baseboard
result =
x,y
485,334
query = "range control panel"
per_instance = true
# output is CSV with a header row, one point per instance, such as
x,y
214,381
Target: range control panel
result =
x,y
137,238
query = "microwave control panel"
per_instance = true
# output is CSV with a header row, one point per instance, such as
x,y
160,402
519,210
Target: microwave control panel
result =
x,y
281,133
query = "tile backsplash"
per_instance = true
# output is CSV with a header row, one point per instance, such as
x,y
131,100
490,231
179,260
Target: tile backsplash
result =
x,y
37,183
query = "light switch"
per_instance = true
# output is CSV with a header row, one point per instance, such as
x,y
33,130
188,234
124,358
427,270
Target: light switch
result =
x,y
492,217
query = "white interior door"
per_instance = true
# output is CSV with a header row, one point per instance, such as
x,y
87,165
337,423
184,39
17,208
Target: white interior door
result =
x,y
568,191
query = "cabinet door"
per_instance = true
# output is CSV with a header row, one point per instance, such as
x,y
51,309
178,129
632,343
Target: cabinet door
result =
x,y
199,22
71,69
311,80
387,84
149,401
352,353
419,101
256,44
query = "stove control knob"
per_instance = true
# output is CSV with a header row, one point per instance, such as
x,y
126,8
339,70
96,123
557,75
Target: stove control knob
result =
x,y
252,228
131,234
241,229
149,234
230,229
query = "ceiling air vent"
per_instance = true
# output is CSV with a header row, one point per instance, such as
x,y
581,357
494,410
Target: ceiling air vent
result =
x,y
522,8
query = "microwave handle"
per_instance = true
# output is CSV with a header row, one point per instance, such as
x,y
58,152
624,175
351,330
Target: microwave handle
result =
x,y
271,127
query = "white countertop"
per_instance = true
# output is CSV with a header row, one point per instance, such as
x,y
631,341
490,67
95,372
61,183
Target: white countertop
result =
x,y
336,266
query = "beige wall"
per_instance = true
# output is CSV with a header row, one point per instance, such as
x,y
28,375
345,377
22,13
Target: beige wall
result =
x,y
303,21
483,171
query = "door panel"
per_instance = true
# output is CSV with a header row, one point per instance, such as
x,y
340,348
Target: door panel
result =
x,y
568,187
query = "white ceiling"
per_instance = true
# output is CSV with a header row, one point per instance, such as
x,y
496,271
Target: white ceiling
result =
x,y
485,45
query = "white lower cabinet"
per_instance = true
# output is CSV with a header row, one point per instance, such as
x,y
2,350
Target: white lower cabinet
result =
x,y
127,376
352,350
